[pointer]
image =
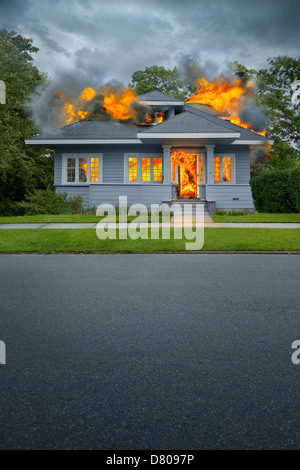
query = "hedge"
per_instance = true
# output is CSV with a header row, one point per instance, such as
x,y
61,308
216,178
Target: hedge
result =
x,y
277,191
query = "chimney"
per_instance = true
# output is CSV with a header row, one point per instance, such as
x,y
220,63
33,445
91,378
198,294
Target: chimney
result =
x,y
241,76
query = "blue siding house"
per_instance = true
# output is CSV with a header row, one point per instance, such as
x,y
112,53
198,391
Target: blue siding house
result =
x,y
188,152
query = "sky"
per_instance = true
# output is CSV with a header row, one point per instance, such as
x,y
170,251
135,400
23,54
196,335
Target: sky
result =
x,y
100,40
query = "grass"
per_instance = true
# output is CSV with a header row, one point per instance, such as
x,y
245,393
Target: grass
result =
x,y
91,218
257,217
86,241
59,218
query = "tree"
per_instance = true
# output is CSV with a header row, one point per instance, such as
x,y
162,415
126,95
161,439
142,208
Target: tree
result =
x,y
22,168
274,90
160,79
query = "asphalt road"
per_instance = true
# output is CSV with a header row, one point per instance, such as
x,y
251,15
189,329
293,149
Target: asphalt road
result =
x,y
149,352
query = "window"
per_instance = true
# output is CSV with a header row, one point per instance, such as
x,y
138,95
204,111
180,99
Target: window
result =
x,y
227,169
201,168
146,169
217,169
94,170
223,169
132,169
141,168
160,117
81,169
71,168
157,169
174,171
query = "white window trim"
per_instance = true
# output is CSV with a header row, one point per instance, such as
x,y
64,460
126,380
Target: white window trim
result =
x,y
226,183
139,157
88,156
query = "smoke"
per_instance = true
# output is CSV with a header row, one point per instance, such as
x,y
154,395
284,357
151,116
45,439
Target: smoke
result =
x,y
48,106
256,115
192,67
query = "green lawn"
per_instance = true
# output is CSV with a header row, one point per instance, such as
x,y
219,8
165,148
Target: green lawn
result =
x,y
60,218
257,217
86,241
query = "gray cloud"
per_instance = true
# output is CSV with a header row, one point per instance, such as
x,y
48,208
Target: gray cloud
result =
x,y
98,40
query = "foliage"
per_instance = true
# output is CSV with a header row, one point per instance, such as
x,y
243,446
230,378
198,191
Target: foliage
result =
x,y
22,168
274,89
49,202
249,74
160,79
231,213
277,191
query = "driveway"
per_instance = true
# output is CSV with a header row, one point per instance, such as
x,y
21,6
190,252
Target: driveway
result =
x,y
149,352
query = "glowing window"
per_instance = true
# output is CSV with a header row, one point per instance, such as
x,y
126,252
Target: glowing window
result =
x,y
82,170
160,117
173,171
71,170
201,168
94,170
226,169
157,169
146,169
216,168
132,169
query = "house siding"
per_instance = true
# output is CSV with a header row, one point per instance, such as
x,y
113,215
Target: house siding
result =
x,y
238,195
235,196
146,194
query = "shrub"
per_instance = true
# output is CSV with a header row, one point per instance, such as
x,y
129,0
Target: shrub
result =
x,y
232,212
76,203
49,202
277,191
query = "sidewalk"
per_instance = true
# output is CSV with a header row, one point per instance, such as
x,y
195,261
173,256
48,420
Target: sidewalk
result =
x,y
208,223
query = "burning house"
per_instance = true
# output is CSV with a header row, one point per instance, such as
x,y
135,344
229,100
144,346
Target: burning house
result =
x,y
155,148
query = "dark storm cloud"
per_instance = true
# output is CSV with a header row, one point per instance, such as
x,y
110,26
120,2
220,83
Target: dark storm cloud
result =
x,y
105,39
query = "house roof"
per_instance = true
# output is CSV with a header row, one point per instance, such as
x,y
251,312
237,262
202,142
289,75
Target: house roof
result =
x,y
86,130
195,121
157,96
188,122
209,115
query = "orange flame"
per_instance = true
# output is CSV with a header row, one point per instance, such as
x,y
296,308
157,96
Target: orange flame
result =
x,y
188,172
160,117
225,97
117,102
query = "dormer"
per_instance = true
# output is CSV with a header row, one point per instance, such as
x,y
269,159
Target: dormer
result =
x,y
161,105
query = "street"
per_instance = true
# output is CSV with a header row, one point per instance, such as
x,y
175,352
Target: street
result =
x,y
172,352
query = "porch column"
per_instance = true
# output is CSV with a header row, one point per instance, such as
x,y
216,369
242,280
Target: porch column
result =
x,y
167,164
210,163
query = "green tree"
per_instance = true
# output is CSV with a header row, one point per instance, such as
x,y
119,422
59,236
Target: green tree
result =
x,y
160,79
22,168
274,91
